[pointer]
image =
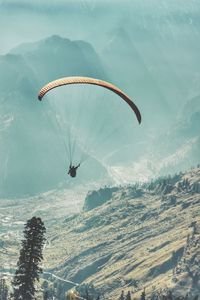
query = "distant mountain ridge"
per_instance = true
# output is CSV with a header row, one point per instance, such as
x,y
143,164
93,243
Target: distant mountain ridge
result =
x,y
56,57
26,157
179,146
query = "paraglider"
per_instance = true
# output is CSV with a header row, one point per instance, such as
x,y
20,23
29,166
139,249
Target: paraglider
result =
x,y
87,81
72,170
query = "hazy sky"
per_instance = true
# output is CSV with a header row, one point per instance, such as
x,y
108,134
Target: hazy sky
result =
x,y
25,21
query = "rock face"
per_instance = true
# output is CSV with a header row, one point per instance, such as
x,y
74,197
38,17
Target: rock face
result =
x,y
132,237
97,198
103,195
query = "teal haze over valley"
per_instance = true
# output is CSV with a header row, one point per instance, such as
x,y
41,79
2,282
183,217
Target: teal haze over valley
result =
x,y
129,220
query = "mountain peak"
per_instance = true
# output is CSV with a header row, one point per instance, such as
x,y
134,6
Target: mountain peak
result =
x,y
55,38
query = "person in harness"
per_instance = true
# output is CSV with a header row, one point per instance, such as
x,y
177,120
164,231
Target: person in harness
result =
x,y
72,170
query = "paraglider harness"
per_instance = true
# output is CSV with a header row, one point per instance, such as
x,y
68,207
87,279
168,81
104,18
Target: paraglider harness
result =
x,y
72,170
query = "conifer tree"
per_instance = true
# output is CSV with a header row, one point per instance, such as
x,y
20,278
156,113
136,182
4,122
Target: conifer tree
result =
x,y
28,266
143,295
122,296
128,296
48,291
45,295
3,289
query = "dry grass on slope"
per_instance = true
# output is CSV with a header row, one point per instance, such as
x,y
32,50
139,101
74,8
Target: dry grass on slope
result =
x,y
128,243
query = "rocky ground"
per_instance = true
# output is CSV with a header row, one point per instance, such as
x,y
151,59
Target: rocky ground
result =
x,y
139,237
134,237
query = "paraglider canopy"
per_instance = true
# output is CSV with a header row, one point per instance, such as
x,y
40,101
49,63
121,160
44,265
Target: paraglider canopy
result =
x,y
87,80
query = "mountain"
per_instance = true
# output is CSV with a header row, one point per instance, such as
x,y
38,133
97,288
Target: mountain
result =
x,y
32,155
31,147
130,71
178,148
134,237
191,107
175,149
57,57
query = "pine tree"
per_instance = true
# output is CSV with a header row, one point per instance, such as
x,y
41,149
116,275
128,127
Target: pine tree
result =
x,y
122,296
128,296
45,295
28,268
3,289
143,295
48,291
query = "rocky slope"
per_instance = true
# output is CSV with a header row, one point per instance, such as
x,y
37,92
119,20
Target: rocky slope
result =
x,y
127,238
139,237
